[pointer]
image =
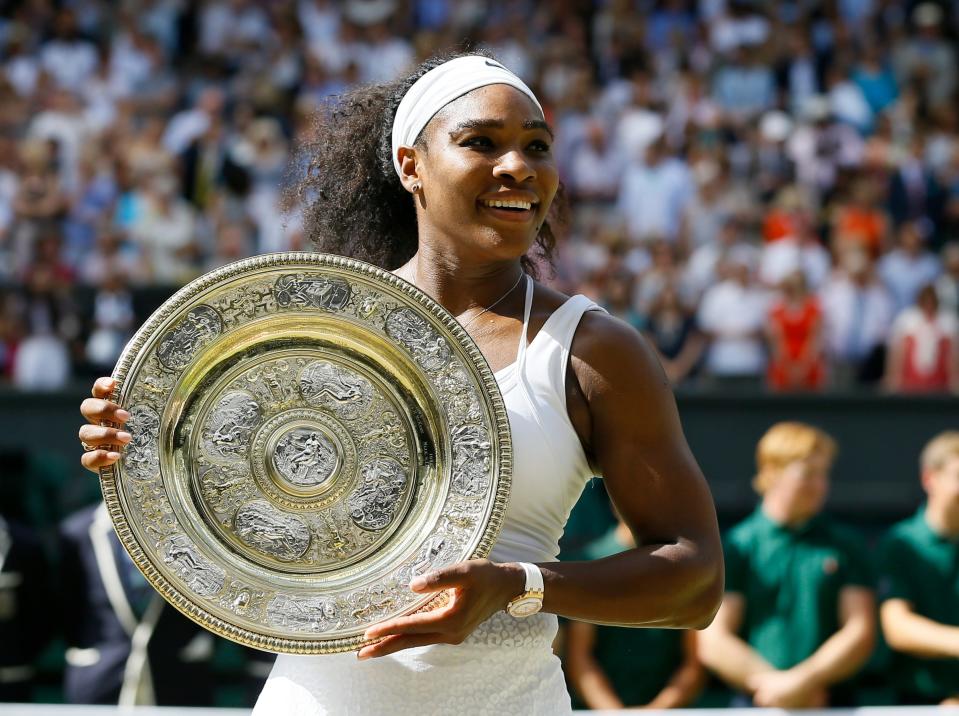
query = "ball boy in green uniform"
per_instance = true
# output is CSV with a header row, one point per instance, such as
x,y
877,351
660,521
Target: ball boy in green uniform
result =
x,y
798,616
611,667
919,584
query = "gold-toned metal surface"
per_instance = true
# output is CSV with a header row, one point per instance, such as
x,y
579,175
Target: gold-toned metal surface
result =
x,y
309,433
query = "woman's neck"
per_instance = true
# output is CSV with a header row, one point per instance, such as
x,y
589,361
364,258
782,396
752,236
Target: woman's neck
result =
x,y
459,285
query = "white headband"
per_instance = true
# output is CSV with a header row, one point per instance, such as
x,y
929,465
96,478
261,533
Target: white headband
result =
x,y
440,86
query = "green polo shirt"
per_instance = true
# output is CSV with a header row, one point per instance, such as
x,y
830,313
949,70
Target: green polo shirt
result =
x,y
791,579
922,568
638,662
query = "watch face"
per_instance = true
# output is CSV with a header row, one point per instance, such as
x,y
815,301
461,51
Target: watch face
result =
x,y
526,607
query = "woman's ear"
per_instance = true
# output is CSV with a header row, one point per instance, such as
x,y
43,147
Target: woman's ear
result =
x,y
409,170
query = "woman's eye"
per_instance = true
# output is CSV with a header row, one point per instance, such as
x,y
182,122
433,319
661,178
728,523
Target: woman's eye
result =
x,y
539,146
479,142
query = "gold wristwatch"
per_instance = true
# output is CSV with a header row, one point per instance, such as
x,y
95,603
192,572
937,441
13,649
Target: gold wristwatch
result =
x,y
531,600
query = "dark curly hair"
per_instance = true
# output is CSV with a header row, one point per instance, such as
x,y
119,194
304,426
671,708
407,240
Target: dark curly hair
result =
x,y
354,203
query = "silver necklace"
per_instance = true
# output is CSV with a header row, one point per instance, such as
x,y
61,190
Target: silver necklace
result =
x,y
522,275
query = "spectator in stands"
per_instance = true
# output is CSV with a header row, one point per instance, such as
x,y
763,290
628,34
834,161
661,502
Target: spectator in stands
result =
x,y
732,315
672,330
857,311
794,331
927,57
923,353
798,617
654,193
914,192
918,587
906,269
615,667
166,232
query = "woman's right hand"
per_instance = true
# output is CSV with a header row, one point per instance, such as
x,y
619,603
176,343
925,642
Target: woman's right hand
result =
x,y
104,440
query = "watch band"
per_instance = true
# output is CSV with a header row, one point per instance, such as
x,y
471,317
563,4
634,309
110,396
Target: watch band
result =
x,y
534,577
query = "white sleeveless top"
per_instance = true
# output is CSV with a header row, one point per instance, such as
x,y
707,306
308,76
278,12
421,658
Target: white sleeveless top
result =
x,y
507,665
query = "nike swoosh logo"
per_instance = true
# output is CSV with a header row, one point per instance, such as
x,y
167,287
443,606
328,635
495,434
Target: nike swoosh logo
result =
x,y
494,64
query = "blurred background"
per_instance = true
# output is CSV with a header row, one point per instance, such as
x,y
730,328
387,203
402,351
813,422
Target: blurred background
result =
x,y
769,191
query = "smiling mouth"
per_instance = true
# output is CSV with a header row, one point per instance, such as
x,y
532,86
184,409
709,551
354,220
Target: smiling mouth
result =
x,y
512,205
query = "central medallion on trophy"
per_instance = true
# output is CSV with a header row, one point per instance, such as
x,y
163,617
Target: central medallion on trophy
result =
x,y
304,458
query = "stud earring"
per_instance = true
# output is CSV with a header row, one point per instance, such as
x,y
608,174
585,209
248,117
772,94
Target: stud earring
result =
x,y
416,187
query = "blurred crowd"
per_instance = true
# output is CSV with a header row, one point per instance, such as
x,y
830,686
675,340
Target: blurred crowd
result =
x,y
769,190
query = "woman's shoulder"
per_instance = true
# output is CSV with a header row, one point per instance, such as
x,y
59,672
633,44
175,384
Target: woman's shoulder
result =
x,y
604,348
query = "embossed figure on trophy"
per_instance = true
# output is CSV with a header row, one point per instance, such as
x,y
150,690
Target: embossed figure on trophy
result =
x,y
282,536
330,386
373,504
141,457
305,457
312,614
231,424
471,458
311,292
200,575
197,328
427,347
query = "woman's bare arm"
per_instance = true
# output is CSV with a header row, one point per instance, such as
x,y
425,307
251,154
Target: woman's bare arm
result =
x,y
674,578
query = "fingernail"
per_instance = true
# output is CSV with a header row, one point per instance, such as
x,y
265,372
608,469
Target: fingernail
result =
x,y
113,455
417,583
122,414
124,437
362,657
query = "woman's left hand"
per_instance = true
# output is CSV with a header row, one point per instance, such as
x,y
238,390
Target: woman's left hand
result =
x,y
477,589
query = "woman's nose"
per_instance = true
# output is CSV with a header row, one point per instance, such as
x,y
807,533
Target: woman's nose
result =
x,y
515,166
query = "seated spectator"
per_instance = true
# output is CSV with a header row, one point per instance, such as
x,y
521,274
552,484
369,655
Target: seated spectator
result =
x,y
794,332
615,667
909,267
918,587
732,315
858,312
860,220
798,617
923,348
673,332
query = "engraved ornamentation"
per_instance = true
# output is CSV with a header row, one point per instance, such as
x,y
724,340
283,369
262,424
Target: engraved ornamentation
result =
x,y
305,457
309,614
200,326
374,503
228,429
472,451
265,528
420,338
198,573
336,388
141,455
294,291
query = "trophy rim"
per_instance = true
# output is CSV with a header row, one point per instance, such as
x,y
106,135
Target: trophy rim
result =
x,y
306,259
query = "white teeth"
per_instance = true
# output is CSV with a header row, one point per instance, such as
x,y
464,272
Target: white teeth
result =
x,y
512,204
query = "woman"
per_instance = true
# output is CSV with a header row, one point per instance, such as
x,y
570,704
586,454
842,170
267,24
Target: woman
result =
x,y
794,334
582,390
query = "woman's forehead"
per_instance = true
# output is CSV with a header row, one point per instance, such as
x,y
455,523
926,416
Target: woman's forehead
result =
x,y
493,105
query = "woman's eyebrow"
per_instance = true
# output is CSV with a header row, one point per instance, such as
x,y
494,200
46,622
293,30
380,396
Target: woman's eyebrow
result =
x,y
498,124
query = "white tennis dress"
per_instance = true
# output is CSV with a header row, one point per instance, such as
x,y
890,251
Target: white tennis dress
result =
x,y
507,665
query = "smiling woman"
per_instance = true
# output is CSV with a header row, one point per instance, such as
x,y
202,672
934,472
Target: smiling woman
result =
x,y
447,178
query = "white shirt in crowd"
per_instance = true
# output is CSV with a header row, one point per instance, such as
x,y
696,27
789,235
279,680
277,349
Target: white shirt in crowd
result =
x,y
904,274
781,258
70,62
734,315
856,318
652,199
927,335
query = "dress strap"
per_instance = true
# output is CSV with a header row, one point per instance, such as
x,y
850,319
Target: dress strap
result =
x,y
527,310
